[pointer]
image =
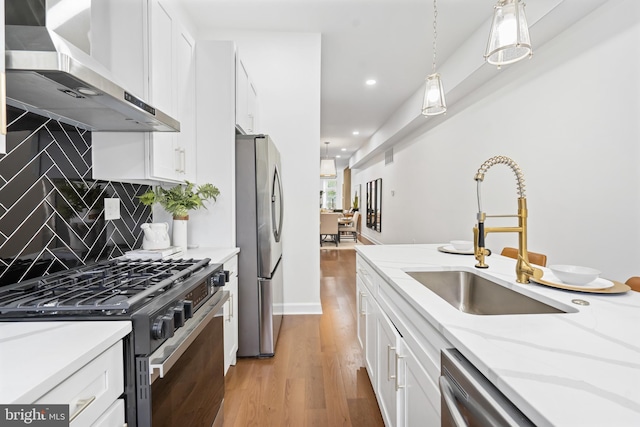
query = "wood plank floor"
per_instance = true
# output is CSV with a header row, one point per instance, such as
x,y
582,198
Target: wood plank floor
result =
x,y
317,377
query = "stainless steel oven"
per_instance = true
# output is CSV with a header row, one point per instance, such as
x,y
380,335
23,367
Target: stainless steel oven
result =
x,y
468,399
174,358
187,373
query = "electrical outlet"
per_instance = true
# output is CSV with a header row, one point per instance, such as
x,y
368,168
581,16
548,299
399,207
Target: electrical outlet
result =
x,y
111,209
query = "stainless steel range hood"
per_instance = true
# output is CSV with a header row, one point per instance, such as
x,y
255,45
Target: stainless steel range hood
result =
x,y
49,76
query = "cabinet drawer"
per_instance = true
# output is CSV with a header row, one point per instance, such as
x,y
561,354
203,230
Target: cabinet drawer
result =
x,y
367,275
113,417
232,266
92,389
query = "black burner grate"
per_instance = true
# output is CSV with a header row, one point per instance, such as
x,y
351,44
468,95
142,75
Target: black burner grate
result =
x,y
116,285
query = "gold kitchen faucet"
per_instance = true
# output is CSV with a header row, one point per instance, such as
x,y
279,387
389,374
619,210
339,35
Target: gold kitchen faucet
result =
x,y
524,269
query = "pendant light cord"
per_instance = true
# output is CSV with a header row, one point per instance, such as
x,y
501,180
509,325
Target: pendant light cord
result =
x,y
435,34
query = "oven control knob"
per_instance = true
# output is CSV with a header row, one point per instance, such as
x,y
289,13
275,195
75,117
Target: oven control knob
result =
x,y
178,315
188,309
162,327
219,279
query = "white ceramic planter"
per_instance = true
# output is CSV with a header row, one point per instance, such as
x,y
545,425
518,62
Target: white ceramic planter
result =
x,y
179,233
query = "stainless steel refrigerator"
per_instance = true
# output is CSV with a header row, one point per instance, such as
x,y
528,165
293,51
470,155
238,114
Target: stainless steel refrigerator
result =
x,y
259,217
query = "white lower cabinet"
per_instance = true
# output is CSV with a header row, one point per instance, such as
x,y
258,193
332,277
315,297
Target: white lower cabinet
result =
x,y
112,417
389,355
418,391
92,390
402,360
367,313
230,310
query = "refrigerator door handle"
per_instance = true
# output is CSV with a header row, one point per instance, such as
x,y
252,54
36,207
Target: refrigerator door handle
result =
x,y
276,205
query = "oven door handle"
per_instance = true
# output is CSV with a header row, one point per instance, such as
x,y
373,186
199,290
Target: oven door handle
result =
x,y
163,359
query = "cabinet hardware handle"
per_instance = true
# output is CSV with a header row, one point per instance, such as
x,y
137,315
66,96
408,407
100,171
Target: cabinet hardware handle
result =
x,y
230,308
83,404
3,103
183,161
362,294
398,386
176,152
389,376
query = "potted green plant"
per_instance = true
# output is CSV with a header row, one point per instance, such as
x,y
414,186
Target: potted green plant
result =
x,y
178,201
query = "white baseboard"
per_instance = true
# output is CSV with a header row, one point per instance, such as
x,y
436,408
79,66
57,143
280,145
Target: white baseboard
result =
x,y
303,308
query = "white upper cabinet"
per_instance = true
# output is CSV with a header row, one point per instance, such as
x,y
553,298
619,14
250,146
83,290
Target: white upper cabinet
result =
x,y
156,38
172,83
246,100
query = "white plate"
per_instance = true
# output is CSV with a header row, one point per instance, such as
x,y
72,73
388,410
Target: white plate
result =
x,y
599,283
449,249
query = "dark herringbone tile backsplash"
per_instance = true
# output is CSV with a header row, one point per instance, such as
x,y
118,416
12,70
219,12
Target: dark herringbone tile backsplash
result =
x,y
51,211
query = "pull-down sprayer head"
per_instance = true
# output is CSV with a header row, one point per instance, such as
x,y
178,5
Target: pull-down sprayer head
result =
x,y
479,177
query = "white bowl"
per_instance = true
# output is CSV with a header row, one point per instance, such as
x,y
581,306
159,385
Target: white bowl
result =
x,y
574,275
462,245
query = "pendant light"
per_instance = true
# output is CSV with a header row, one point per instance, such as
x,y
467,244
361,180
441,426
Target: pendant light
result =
x,y
328,165
434,102
509,40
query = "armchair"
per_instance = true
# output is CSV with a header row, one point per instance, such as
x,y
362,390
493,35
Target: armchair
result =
x,y
329,227
351,227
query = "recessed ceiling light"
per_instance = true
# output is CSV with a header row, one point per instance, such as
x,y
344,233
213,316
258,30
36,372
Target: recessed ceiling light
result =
x,y
355,132
338,156
370,82
344,149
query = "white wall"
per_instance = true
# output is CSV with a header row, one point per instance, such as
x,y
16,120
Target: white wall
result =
x,y
285,68
569,118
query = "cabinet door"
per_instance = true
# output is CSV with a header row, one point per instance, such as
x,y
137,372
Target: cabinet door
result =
x,y
361,293
371,348
420,397
252,109
367,310
389,354
186,83
230,311
163,152
242,97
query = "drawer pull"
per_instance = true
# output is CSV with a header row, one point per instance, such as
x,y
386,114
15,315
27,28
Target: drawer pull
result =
x,y
362,294
398,386
389,376
83,404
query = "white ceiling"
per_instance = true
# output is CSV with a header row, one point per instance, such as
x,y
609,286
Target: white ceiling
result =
x,y
386,40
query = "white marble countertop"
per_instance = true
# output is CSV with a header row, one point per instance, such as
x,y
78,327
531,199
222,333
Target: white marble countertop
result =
x,y
217,255
36,356
571,369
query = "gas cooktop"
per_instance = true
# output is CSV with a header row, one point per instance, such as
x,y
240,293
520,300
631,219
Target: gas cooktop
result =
x,y
111,287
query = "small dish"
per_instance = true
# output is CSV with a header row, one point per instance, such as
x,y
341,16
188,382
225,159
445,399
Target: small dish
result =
x,y
462,245
449,249
575,275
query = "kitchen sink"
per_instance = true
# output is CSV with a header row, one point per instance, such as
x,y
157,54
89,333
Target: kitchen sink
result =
x,y
470,293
